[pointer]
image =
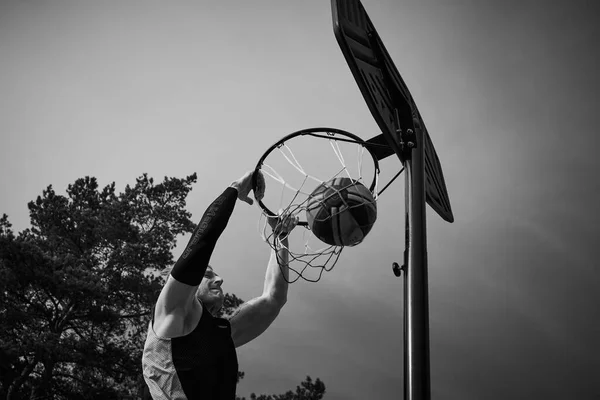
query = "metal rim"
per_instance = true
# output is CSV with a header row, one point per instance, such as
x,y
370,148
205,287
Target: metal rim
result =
x,y
330,134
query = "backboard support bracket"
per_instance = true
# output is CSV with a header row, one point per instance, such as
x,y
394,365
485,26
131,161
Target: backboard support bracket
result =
x,y
407,138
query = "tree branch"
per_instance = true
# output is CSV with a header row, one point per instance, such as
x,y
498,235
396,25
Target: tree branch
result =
x,y
16,384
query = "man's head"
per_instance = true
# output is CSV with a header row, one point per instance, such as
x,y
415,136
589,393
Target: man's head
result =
x,y
210,292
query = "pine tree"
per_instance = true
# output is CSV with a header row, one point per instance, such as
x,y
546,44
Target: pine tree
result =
x,y
78,286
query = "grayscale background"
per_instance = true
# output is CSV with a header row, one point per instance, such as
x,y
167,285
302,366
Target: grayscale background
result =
x,y
509,91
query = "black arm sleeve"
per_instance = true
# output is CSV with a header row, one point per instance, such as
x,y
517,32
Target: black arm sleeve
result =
x,y
192,264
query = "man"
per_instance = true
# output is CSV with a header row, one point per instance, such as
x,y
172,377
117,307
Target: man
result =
x,y
189,353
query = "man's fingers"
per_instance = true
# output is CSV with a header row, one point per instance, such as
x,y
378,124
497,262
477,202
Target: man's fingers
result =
x,y
259,191
289,222
286,223
246,199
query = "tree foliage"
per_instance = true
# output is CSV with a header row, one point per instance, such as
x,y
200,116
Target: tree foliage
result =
x,y
77,288
308,390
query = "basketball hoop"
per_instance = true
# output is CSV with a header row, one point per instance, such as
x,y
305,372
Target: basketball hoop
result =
x,y
294,167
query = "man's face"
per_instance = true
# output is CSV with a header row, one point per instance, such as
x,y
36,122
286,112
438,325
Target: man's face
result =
x,y
210,292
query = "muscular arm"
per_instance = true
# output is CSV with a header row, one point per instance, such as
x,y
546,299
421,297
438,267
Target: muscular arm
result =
x,y
177,297
253,317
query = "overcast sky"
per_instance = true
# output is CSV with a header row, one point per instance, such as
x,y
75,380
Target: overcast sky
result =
x,y
509,91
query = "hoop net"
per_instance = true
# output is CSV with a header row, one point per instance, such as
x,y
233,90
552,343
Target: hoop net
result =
x,y
292,171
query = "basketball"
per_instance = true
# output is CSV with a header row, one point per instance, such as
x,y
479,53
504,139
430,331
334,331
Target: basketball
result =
x,y
341,212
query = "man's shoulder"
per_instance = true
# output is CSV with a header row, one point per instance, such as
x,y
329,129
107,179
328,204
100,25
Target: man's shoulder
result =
x,y
177,322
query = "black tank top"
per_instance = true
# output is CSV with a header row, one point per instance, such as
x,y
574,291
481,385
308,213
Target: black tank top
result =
x,y
202,365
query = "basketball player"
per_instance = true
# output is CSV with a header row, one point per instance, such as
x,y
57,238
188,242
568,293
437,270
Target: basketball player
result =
x,y
189,353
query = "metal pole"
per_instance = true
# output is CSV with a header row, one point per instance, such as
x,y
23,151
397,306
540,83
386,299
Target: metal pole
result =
x,y
416,315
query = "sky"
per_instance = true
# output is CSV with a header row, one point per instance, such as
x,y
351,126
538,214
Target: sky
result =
x,y
509,92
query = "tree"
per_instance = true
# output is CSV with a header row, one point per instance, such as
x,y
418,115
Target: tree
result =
x,y
77,288
308,390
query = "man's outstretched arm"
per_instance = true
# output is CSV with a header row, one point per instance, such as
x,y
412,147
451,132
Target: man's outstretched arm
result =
x,y
252,318
177,296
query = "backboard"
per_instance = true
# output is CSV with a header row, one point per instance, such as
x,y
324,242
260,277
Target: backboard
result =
x,y
385,92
